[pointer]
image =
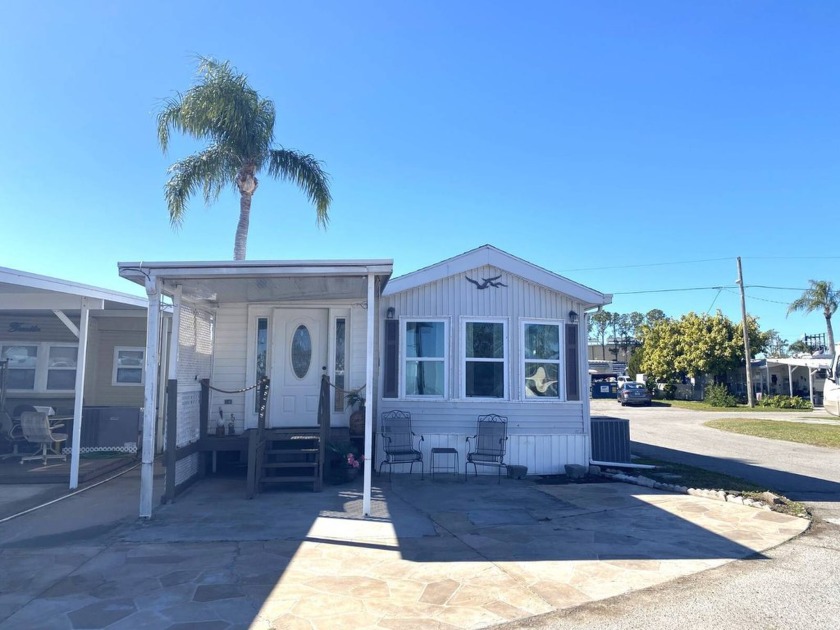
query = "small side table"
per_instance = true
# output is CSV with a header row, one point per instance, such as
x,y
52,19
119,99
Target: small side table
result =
x,y
440,450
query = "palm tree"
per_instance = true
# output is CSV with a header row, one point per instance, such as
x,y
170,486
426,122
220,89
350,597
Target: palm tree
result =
x,y
239,126
821,295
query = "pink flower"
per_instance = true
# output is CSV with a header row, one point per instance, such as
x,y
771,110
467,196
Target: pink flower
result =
x,y
353,462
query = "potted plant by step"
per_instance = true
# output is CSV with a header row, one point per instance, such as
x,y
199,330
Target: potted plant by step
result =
x,y
345,462
357,418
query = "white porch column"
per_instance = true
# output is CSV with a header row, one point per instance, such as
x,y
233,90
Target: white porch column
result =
x,y
811,385
584,382
81,359
369,392
147,468
790,380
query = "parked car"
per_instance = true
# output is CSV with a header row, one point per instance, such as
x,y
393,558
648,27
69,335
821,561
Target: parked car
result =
x,y
632,393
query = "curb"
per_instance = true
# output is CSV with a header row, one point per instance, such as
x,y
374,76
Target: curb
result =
x,y
717,495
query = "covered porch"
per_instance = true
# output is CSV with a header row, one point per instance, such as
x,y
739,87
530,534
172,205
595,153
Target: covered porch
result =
x,y
793,376
259,362
67,350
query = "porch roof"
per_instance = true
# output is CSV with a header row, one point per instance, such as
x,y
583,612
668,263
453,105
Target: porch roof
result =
x,y
261,281
29,293
822,363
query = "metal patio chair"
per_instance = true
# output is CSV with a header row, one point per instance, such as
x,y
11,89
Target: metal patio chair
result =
x,y
398,441
37,430
490,440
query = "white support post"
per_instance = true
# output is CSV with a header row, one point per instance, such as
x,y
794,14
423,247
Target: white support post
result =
x,y
147,468
369,392
790,380
81,359
584,381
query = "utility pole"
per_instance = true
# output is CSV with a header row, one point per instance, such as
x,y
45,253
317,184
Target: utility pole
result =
x,y
750,397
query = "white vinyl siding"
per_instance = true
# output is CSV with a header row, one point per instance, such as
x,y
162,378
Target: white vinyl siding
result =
x,y
544,434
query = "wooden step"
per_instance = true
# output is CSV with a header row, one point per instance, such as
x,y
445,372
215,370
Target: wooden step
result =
x,y
290,464
279,480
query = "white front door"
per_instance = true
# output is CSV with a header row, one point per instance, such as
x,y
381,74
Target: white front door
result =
x,y
299,357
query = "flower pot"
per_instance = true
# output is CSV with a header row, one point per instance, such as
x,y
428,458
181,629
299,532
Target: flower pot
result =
x,y
357,422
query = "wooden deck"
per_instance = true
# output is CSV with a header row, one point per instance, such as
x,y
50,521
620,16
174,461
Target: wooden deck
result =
x,y
56,471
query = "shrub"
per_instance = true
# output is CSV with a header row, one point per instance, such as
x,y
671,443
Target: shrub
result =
x,y
784,402
669,390
719,396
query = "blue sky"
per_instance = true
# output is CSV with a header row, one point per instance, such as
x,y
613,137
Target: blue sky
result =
x,y
631,146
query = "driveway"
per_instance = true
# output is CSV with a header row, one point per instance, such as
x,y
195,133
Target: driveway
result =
x,y
797,588
804,473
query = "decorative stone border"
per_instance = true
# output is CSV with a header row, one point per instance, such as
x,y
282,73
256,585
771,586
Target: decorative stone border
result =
x,y
717,495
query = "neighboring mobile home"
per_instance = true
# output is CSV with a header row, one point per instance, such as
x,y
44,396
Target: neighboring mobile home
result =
x,y
299,323
77,351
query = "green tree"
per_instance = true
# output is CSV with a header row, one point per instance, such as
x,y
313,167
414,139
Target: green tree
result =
x,y
698,344
653,316
660,351
601,320
821,295
776,346
222,109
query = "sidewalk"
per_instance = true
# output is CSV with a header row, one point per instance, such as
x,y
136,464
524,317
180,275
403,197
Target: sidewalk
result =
x,y
435,554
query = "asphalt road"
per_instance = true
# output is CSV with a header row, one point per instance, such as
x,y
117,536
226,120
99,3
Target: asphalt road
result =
x,y
797,586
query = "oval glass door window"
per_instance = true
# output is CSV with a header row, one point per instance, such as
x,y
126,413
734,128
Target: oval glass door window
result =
x,y
301,351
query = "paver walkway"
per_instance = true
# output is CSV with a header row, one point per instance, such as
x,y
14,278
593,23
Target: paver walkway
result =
x,y
435,554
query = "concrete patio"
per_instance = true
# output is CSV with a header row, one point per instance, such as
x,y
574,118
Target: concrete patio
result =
x,y
435,554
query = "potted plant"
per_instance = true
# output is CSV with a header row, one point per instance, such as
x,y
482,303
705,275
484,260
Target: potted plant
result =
x,y
357,418
345,462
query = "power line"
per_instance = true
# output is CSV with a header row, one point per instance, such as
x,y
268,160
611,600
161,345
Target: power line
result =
x,y
716,288
672,290
791,257
717,295
661,264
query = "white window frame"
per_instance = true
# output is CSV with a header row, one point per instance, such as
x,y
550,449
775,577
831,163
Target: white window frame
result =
x,y
404,359
561,360
42,362
463,356
115,366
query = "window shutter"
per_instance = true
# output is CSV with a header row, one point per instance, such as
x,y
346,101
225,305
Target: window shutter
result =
x,y
391,357
572,371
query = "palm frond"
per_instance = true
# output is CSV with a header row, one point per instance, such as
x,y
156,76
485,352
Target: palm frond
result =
x,y
168,118
209,171
307,172
223,108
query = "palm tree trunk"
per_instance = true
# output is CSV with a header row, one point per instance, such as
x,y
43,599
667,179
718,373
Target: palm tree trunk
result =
x,y
247,184
830,331
240,242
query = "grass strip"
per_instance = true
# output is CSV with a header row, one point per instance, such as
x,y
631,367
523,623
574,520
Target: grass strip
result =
x,y
799,432
692,477
697,405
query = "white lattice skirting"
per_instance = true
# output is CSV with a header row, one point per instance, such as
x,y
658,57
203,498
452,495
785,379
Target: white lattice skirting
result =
x,y
126,448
